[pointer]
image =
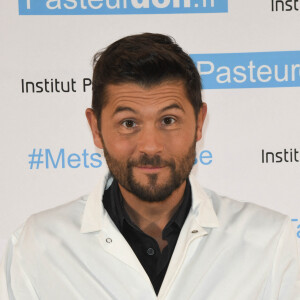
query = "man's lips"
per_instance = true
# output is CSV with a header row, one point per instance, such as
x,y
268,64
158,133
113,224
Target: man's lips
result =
x,y
149,168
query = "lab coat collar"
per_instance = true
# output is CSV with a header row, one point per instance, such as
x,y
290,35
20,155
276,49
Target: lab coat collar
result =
x,y
94,212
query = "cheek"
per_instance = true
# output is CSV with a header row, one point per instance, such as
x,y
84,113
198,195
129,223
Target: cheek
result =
x,y
118,146
178,148
180,141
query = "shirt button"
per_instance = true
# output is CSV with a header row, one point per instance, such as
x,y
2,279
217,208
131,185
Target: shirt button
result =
x,y
150,251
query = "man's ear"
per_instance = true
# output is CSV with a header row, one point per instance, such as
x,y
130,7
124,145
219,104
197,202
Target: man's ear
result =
x,y
200,121
93,122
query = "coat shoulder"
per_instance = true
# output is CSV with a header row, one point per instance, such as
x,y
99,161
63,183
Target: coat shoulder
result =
x,y
61,218
247,216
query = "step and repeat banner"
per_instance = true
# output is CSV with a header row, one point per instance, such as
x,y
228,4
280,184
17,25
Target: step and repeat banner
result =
x,y
248,54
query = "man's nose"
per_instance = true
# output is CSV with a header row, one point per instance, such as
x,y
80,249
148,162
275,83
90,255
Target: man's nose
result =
x,y
150,141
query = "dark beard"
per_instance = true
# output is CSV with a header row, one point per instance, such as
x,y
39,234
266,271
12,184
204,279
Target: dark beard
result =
x,y
153,192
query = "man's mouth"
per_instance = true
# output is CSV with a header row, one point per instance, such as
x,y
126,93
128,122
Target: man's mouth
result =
x,y
150,168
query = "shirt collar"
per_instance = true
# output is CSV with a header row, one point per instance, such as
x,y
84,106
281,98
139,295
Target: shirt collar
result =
x,y
113,202
202,207
94,212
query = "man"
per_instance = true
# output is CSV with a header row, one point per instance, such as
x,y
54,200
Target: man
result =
x,y
149,231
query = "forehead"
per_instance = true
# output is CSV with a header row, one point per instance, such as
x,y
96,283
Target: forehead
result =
x,y
137,95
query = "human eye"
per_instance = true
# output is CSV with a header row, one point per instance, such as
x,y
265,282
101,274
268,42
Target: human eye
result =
x,y
128,124
167,121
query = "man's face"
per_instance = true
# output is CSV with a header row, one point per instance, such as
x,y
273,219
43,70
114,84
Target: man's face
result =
x,y
148,136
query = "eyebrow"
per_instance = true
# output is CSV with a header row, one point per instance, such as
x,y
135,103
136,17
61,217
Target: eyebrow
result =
x,y
123,108
172,106
126,108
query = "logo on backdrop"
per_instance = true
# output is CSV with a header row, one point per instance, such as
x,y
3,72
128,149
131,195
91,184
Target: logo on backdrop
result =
x,y
120,7
55,85
298,226
286,5
218,71
48,159
284,156
249,70
205,158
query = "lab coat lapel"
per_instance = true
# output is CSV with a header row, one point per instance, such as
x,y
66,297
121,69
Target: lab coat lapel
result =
x,y
201,216
96,219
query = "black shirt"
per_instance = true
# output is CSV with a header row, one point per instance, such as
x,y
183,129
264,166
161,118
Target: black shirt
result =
x,y
144,246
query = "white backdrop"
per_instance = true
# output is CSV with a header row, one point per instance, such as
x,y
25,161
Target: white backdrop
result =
x,y
244,118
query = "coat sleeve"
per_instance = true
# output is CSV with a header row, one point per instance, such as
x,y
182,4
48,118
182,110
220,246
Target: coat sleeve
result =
x,y
14,283
284,281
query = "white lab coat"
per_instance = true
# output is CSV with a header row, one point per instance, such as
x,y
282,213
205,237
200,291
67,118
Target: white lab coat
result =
x,y
227,250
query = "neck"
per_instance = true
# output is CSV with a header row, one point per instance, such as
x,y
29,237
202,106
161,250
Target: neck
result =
x,y
152,217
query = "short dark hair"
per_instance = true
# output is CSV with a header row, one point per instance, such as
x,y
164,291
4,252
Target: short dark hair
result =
x,y
146,59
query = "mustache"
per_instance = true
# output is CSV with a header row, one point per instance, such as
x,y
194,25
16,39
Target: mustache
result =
x,y
155,161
